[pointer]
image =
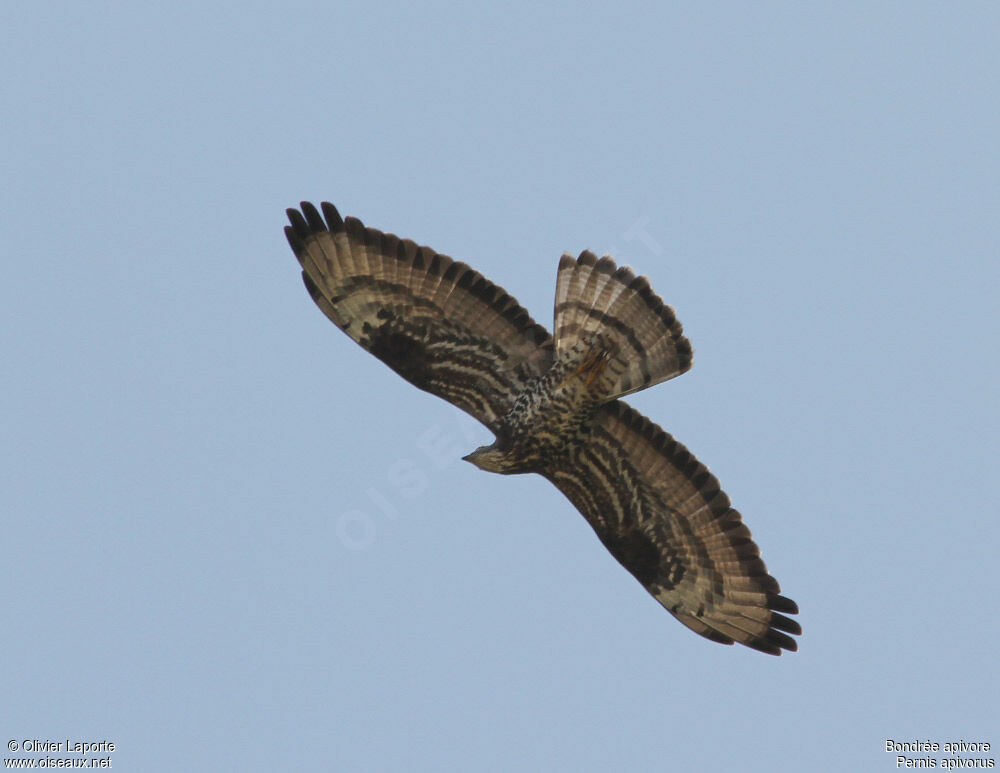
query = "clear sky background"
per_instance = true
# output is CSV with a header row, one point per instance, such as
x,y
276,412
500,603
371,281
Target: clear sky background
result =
x,y
234,540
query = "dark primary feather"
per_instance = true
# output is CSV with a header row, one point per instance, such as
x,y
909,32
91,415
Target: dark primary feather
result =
x,y
449,331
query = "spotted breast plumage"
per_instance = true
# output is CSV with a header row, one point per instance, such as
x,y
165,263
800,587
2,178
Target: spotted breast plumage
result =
x,y
553,404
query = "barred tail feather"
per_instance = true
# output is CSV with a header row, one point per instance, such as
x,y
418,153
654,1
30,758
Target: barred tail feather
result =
x,y
595,298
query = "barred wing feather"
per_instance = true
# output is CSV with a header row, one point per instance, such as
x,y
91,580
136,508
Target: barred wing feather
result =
x,y
438,323
663,516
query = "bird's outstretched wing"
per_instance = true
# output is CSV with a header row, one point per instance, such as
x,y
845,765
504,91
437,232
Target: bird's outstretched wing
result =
x,y
438,323
662,514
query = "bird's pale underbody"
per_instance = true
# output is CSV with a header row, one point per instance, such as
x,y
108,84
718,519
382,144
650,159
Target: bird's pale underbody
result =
x,y
552,401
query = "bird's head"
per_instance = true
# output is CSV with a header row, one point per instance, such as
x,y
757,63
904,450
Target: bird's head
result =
x,y
489,458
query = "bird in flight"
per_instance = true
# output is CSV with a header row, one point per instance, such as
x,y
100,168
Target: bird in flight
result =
x,y
552,402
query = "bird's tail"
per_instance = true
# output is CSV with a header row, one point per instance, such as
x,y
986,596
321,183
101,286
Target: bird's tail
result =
x,y
597,301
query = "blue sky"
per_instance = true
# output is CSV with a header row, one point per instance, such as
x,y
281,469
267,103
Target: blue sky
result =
x,y
234,540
